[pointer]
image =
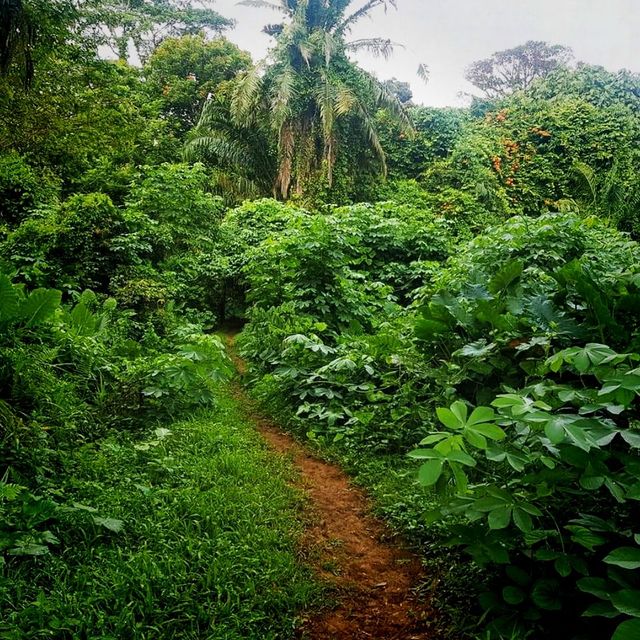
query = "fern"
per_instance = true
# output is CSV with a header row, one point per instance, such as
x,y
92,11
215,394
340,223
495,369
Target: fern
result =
x,y
9,491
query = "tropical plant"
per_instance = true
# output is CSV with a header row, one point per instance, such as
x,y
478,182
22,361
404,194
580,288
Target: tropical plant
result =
x,y
25,24
548,485
311,89
242,155
146,24
546,475
183,72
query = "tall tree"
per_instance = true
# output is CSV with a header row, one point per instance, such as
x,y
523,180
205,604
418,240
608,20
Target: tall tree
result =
x,y
309,88
242,156
515,69
24,24
144,24
182,72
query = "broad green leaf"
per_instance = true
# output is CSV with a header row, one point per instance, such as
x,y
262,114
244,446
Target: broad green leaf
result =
x,y
615,490
609,386
513,595
476,349
449,419
435,437
581,362
495,453
555,362
424,454
628,630
475,439
83,321
596,523
548,462
500,518
508,400
601,609
489,503
491,431
459,410
517,460
462,482
429,328
39,306
591,483
522,520
109,523
562,566
462,457
530,508
625,557
597,587
481,415
545,594
579,436
585,537
627,601
505,276
8,299
430,472
630,381
554,430
632,438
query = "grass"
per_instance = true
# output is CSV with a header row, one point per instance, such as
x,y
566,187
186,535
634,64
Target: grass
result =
x,y
207,549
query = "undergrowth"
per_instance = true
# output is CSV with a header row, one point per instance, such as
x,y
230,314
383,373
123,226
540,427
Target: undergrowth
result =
x,y
206,548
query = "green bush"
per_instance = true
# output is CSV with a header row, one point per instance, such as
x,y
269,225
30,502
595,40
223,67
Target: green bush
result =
x,y
22,189
71,374
546,477
328,324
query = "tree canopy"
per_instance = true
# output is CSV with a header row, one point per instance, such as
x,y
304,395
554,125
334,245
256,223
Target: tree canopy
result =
x,y
517,68
309,87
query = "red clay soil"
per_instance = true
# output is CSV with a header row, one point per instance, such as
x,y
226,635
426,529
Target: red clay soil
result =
x,y
376,580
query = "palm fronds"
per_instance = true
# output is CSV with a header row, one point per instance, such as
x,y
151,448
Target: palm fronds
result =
x,y
379,47
424,72
348,22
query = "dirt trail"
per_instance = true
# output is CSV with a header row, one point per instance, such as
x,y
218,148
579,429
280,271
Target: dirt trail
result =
x,y
375,578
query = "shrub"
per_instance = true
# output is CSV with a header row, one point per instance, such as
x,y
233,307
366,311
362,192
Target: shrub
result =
x,y
22,189
546,477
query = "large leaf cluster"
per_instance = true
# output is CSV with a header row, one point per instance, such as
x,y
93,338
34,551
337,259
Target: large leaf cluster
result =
x,y
70,374
540,480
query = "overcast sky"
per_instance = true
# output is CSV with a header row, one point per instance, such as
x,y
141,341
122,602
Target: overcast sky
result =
x,y
447,35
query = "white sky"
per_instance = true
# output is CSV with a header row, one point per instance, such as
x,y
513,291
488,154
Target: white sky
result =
x,y
447,35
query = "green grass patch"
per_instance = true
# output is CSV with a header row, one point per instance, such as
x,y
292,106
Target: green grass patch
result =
x,y
207,548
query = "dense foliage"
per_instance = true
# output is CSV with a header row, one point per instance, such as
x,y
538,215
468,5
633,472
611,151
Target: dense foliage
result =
x,y
468,322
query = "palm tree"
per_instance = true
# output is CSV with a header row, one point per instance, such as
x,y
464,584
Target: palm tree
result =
x,y
309,87
242,155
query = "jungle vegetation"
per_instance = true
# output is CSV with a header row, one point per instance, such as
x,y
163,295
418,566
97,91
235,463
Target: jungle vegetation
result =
x,y
447,301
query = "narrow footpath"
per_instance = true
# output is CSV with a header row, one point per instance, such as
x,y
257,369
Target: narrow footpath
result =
x,y
375,579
